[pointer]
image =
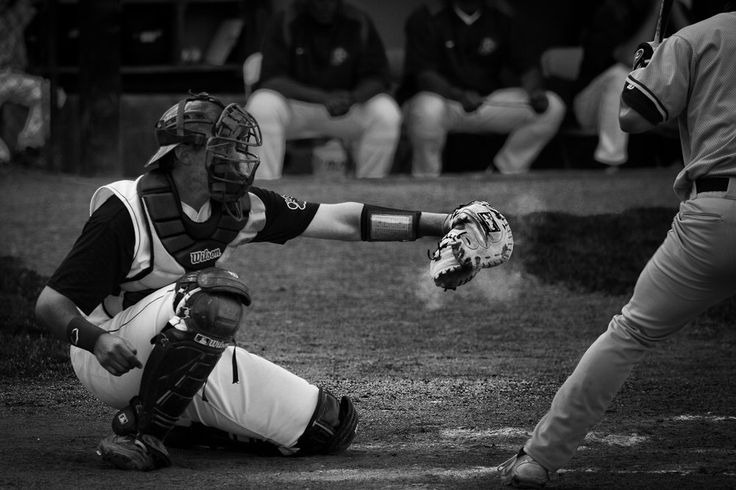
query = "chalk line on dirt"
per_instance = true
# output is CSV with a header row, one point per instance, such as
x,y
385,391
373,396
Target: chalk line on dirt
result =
x,y
704,418
402,474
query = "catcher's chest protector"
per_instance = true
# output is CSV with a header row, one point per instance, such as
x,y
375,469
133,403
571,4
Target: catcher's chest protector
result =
x,y
193,245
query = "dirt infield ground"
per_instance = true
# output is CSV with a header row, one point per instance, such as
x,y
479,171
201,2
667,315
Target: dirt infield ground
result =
x,y
448,385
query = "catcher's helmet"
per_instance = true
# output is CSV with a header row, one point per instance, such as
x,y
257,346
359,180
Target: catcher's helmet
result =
x,y
228,133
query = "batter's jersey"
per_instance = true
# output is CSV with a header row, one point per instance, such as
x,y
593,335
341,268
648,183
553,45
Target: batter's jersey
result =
x,y
692,77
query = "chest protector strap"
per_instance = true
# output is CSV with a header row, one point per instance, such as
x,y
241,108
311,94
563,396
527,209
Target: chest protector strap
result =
x,y
193,245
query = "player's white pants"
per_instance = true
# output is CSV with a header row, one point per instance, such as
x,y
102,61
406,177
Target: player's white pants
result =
x,y
694,268
25,90
596,107
429,117
268,402
370,130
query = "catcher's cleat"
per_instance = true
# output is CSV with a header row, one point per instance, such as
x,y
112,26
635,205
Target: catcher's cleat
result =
x,y
134,452
522,471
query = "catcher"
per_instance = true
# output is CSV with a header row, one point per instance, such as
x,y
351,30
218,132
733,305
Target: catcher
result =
x,y
152,316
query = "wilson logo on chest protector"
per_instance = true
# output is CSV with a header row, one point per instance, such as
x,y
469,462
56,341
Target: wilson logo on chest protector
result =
x,y
209,342
205,255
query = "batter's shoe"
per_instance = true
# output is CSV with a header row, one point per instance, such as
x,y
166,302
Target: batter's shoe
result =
x,y
141,452
521,471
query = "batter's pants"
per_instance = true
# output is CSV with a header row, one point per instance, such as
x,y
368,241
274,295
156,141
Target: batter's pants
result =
x,y
370,131
429,117
693,269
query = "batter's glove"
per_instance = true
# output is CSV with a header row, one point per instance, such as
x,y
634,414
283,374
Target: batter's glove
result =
x,y
643,54
480,237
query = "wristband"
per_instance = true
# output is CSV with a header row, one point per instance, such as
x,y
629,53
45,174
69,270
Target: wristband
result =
x,y
83,334
379,224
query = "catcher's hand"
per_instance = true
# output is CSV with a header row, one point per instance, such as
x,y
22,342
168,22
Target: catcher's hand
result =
x,y
480,237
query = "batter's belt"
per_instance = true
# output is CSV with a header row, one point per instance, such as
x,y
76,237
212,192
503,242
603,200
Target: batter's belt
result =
x,y
715,184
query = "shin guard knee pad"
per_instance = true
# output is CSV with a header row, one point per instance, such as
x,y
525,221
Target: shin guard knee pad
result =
x,y
332,427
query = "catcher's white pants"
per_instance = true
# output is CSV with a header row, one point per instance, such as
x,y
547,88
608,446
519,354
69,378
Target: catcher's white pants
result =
x,y
693,269
370,130
268,403
429,117
596,107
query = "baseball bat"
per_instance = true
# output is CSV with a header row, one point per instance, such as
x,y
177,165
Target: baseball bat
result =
x,y
665,8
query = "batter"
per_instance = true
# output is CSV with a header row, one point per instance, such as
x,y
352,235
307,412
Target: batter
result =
x,y
689,77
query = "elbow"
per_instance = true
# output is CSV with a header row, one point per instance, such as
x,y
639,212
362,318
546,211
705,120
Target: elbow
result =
x,y
626,125
631,121
634,126
45,309
42,306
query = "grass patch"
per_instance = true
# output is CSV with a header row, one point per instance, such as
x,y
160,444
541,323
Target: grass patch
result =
x,y
25,348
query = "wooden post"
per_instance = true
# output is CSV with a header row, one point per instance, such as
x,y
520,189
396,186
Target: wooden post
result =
x,y
99,86
53,75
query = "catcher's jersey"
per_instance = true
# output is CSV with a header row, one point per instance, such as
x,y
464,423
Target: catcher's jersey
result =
x,y
691,78
115,245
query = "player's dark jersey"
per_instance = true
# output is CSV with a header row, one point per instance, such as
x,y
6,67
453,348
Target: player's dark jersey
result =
x,y
333,57
610,26
469,56
100,259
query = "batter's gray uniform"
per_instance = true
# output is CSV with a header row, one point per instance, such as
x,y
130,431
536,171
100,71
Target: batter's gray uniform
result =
x,y
690,77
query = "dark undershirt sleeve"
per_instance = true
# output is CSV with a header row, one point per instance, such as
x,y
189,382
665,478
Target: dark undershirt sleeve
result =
x,y
286,216
100,258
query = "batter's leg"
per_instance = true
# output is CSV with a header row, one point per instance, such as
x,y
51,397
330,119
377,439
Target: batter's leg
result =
x,y
675,286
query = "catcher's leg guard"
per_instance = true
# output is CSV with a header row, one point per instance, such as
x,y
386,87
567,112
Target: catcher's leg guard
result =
x,y
332,427
208,306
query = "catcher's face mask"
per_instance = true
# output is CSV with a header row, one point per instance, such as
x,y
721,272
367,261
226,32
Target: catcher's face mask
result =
x,y
231,166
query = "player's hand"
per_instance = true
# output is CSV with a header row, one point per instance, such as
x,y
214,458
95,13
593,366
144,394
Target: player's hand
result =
x,y
338,103
539,102
116,354
471,100
643,54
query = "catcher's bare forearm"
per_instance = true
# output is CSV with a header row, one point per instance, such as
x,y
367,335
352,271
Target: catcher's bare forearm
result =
x,y
434,224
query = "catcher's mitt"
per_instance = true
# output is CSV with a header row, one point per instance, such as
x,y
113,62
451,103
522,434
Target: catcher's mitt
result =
x,y
445,269
480,237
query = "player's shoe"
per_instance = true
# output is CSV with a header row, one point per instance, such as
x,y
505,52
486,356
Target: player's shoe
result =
x,y
141,452
522,471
